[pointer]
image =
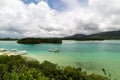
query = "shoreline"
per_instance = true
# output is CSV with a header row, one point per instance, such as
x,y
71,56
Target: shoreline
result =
x,y
97,71
40,59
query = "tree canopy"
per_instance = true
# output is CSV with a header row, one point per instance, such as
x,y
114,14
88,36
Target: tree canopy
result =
x,y
21,68
38,40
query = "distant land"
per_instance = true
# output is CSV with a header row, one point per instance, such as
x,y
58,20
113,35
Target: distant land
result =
x,y
97,36
8,39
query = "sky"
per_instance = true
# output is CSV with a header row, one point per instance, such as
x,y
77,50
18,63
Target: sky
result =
x,y
57,18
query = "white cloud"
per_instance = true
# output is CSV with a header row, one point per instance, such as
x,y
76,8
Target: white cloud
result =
x,y
20,20
109,11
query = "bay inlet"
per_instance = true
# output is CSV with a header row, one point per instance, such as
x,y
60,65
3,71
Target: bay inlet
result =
x,y
90,55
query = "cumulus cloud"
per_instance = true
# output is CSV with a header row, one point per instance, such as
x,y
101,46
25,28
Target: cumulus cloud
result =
x,y
18,19
109,11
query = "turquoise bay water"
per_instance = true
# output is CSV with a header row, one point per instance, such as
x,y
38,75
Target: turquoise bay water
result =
x,y
90,55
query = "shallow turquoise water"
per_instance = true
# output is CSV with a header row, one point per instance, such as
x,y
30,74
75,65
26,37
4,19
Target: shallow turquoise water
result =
x,y
91,55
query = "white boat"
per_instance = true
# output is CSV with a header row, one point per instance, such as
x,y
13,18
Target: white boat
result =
x,y
22,52
2,50
13,50
54,50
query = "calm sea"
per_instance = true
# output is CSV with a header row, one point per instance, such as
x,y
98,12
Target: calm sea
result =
x,y
90,55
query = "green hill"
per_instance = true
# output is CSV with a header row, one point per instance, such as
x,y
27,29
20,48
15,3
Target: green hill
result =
x,y
97,36
107,35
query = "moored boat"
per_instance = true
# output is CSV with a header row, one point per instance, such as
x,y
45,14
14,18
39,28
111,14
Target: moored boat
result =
x,y
2,50
22,52
13,50
54,50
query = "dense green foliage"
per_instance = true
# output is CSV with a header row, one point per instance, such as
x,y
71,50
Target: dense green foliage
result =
x,y
51,40
20,68
39,40
29,41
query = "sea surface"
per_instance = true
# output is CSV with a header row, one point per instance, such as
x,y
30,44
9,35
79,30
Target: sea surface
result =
x,y
92,56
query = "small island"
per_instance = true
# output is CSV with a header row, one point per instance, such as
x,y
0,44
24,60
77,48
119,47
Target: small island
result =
x,y
38,40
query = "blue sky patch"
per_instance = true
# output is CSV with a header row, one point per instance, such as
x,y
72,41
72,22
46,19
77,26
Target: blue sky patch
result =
x,y
30,1
83,2
56,4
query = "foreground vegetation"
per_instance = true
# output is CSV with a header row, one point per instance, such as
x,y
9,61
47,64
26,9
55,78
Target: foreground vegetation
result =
x,y
38,40
21,68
